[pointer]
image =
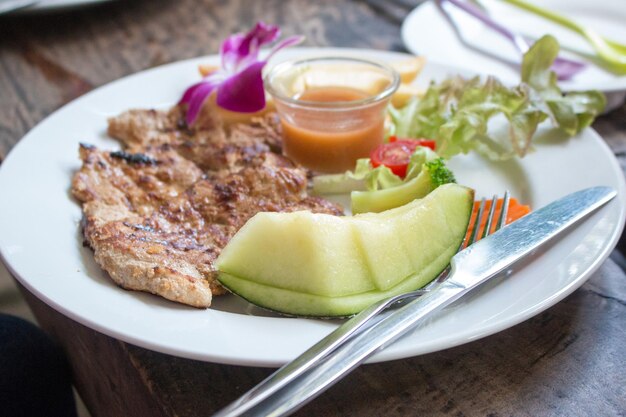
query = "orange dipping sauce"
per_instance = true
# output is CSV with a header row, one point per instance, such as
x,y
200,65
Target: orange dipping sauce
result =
x,y
332,109
332,139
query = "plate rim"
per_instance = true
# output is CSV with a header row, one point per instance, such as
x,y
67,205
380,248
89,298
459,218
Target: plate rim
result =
x,y
60,5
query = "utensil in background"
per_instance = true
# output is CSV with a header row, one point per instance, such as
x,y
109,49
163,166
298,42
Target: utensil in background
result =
x,y
564,68
611,55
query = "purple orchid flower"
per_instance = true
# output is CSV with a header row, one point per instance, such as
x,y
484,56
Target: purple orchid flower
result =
x,y
239,81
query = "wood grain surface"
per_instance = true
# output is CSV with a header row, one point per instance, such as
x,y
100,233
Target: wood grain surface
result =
x,y
567,361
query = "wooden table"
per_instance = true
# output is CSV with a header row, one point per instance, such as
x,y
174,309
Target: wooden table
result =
x,y
566,361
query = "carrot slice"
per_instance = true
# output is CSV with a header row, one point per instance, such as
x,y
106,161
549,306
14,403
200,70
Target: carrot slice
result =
x,y
516,211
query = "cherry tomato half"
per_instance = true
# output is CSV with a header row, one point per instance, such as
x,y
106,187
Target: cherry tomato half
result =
x,y
429,143
395,155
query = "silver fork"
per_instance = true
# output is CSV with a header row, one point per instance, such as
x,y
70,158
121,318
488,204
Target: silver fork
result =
x,y
357,324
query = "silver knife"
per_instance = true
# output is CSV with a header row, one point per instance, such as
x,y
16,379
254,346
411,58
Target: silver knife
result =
x,y
470,268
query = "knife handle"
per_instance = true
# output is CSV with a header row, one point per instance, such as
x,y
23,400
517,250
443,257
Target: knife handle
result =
x,y
313,356
352,353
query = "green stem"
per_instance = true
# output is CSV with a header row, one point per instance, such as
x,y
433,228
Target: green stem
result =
x,y
547,14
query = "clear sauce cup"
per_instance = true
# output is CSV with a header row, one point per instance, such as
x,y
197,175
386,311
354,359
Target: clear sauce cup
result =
x,y
332,109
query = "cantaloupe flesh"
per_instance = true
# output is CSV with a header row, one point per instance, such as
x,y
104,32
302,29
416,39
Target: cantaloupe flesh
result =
x,y
403,231
447,224
311,305
301,252
283,261
387,267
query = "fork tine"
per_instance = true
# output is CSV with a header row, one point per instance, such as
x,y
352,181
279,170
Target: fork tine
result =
x,y
504,211
476,225
490,216
489,221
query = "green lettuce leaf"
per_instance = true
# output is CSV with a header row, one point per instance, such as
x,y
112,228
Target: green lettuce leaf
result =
x,y
363,178
421,156
571,112
367,178
499,122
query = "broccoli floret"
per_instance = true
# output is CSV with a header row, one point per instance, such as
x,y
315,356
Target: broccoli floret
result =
x,y
439,173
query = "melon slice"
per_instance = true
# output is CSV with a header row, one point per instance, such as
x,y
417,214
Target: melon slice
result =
x,y
325,266
299,251
387,267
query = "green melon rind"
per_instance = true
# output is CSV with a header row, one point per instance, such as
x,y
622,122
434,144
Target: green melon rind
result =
x,y
297,303
381,200
310,305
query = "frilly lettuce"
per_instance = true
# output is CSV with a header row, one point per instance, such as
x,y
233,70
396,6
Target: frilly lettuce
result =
x,y
461,114
366,178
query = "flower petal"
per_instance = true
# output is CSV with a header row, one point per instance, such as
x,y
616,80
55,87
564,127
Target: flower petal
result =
x,y
261,34
290,41
243,92
239,82
197,97
229,51
239,51
189,93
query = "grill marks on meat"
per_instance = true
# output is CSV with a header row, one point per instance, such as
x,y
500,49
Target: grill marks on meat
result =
x,y
158,213
122,206
142,128
208,144
231,200
138,187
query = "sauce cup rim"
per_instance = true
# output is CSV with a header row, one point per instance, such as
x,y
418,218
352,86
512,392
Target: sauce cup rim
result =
x,y
337,105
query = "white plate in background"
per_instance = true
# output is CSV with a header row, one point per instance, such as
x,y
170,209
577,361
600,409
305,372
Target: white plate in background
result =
x,y
426,32
55,5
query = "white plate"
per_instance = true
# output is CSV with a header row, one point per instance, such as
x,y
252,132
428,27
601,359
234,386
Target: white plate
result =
x,y
40,238
425,31
53,5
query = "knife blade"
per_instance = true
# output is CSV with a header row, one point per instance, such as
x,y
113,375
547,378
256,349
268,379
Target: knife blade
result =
x,y
470,268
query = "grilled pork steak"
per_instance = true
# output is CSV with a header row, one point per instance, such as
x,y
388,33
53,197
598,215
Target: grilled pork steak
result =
x,y
158,213
208,144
